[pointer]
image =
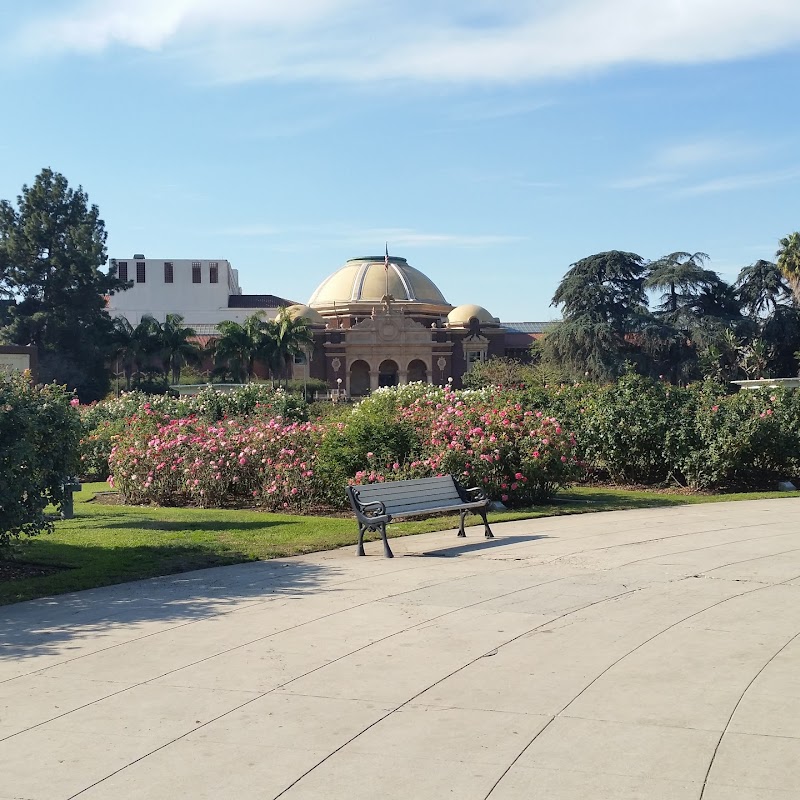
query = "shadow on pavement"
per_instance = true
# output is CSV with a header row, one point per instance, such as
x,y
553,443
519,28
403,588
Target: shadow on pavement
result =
x,y
484,544
42,627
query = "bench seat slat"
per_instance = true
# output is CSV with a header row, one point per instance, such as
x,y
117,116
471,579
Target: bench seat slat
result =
x,y
393,490
452,496
417,512
443,479
396,509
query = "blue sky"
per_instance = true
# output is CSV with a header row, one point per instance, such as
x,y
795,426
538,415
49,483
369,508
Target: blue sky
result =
x,y
491,142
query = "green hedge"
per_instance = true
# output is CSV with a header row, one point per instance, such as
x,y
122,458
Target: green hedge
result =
x,y
39,436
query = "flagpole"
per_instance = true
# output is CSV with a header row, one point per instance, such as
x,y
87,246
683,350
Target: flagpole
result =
x,y
386,267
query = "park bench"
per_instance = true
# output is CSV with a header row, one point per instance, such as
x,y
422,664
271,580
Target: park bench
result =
x,y
377,504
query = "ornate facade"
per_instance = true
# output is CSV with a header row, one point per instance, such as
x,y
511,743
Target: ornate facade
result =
x,y
382,326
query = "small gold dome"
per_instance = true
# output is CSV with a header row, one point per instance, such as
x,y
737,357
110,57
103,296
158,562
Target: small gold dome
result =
x,y
311,316
365,280
461,315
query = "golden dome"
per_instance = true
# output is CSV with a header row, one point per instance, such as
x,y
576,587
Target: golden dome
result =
x,y
311,316
461,315
365,280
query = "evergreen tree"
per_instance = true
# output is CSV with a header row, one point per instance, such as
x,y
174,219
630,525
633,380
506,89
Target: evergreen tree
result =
x,y
52,246
603,302
760,288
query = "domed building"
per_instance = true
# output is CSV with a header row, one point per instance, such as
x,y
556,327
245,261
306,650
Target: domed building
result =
x,y
390,325
376,321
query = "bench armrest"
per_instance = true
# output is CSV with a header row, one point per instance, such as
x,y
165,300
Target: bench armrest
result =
x,y
374,509
471,494
369,510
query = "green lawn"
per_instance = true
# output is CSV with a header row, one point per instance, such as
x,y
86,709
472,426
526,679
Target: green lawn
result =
x,y
106,544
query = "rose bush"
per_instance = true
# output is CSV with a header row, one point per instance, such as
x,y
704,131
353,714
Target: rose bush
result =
x,y
103,422
519,444
484,438
39,434
188,460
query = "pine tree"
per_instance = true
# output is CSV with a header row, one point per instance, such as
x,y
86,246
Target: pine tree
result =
x,y
52,248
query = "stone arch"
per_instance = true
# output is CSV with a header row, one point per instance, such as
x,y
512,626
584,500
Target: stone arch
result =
x,y
359,378
388,373
417,371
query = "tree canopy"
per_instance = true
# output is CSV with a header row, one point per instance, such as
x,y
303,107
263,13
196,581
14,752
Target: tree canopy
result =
x,y
52,248
603,301
788,256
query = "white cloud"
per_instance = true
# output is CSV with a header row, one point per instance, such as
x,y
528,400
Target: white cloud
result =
x,y
735,183
645,181
705,151
681,160
437,40
396,237
406,236
255,230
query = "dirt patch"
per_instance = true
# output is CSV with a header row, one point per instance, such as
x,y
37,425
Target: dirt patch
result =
x,y
17,570
107,498
643,487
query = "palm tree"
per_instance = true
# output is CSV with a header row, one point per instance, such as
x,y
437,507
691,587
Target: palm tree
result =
x,y
133,346
239,345
175,345
288,337
760,288
788,257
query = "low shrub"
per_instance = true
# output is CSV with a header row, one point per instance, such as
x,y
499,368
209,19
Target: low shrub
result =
x,y
747,440
485,438
270,462
103,422
39,435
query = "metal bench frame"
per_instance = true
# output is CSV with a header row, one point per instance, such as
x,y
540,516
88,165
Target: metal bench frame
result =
x,y
372,514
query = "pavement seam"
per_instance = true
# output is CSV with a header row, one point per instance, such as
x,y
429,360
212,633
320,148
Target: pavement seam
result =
x,y
622,658
316,619
245,644
333,661
426,622
444,678
178,626
391,572
297,677
736,706
712,546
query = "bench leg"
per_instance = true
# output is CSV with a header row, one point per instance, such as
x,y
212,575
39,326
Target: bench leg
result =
x,y
461,531
487,531
362,529
387,552
360,548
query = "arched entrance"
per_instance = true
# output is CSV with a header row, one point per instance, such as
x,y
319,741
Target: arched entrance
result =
x,y
417,371
387,373
359,379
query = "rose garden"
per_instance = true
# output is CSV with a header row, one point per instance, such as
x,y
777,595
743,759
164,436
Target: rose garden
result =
x,y
263,450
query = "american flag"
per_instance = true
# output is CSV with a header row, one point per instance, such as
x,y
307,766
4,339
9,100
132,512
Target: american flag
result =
x,y
386,258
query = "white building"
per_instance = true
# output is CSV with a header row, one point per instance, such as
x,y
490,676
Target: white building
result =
x,y
203,291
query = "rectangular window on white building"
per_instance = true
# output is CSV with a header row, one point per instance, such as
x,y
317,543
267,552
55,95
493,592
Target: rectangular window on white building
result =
x,y
196,275
140,272
213,272
122,270
169,272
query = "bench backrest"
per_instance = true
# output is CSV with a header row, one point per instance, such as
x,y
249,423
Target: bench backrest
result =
x,y
406,497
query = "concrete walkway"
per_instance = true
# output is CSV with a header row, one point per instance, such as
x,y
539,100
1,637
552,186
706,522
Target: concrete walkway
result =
x,y
643,654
